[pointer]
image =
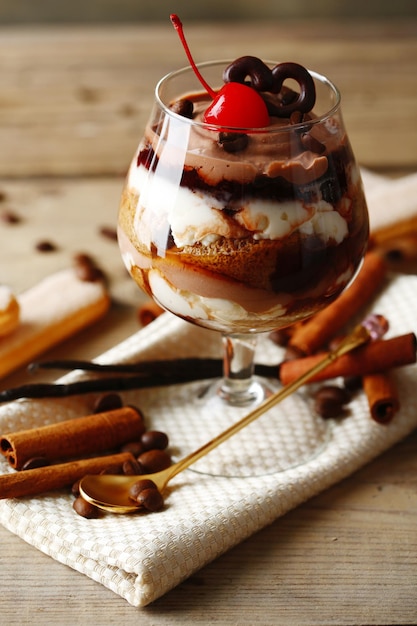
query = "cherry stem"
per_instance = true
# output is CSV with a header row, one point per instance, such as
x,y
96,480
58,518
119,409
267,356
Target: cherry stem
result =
x,y
177,24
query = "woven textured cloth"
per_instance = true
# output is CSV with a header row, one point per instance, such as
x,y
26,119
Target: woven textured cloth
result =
x,y
285,457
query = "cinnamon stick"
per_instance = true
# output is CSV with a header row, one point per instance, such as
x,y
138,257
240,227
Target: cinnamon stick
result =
x,y
73,438
375,357
41,480
318,330
382,395
395,231
148,312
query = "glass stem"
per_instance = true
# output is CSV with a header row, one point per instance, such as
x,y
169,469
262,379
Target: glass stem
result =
x,y
238,386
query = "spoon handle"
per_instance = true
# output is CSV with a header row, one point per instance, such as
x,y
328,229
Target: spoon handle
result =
x,y
359,336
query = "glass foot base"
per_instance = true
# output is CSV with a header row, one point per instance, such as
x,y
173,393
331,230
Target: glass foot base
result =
x,y
238,395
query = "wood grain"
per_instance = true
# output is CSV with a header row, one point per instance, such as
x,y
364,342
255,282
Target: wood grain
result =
x,y
72,106
74,101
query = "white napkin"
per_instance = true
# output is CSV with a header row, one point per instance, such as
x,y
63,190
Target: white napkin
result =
x,y
228,495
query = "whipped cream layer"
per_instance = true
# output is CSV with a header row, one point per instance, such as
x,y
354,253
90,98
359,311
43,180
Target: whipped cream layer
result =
x,y
196,216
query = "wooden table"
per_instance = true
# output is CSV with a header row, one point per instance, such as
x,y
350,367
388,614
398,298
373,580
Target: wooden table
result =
x,y
73,103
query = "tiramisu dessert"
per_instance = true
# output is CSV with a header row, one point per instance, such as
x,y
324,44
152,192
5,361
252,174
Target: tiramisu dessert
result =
x,y
243,208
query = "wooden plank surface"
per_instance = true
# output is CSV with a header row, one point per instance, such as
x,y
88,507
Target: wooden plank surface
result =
x,y
72,106
75,101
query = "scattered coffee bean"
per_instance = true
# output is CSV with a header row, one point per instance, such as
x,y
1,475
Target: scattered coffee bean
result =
x,y
150,499
108,402
89,273
108,232
154,461
82,258
131,468
154,440
330,400
10,217
84,508
139,486
352,383
45,246
86,268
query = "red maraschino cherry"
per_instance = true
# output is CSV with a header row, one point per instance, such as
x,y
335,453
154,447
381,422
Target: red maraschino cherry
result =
x,y
236,105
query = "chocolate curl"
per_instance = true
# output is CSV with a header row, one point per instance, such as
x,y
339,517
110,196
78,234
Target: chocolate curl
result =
x,y
375,357
315,333
41,480
382,395
148,312
73,438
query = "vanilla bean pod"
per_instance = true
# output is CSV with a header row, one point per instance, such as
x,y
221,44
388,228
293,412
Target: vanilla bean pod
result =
x,y
166,369
176,375
163,367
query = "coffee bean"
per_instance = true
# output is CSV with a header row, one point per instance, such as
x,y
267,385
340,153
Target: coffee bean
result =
x,y
352,383
154,440
89,273
81,258
10,217
86,268
108,232
330,400
154,461
45,246
131,468
134,447
140,486
84,508
151,499
108,402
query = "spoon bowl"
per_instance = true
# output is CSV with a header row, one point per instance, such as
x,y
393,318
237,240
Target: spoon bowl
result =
x,y
110,492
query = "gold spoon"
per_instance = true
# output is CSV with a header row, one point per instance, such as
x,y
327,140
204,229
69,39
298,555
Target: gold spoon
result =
x,y
111,492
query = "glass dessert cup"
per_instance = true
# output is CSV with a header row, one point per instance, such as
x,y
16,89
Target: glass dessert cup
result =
x,y
242,230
